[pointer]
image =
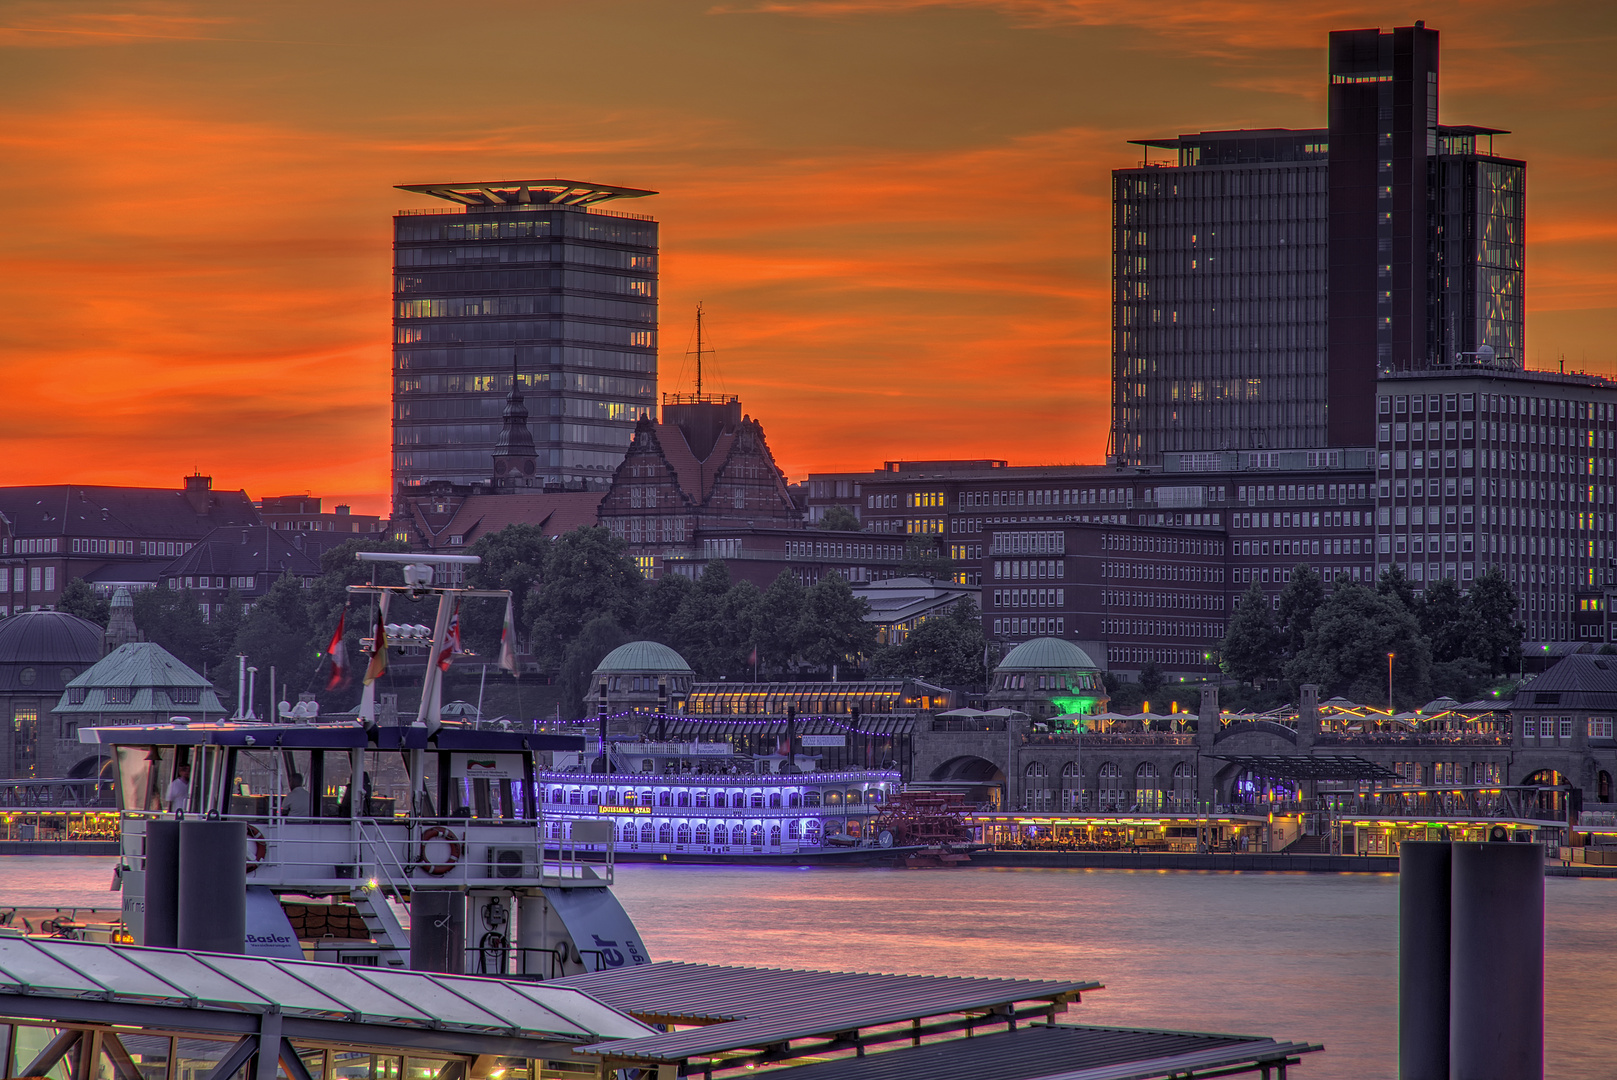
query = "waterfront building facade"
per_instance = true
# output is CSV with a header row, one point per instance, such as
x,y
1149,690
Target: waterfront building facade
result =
x,y
705,465
524,284
305,514
1480,467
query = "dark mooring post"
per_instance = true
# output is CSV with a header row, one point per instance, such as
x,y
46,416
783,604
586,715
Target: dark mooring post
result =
x,y
1496,971
161,925
1423,960
212,915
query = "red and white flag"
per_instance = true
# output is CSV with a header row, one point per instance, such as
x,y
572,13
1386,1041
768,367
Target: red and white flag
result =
x,y
508,640
338,652
451,643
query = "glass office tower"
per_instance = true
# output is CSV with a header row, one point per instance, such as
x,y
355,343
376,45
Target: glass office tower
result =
x,y
1263,280
1219,262
526,280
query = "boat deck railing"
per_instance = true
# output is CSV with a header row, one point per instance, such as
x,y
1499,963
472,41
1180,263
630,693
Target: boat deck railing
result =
x,y
397,855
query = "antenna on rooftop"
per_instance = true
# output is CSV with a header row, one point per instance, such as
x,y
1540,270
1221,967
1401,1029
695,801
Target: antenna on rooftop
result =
x,y
699,350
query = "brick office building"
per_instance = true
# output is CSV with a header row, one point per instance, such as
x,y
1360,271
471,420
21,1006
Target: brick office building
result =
x,y
704,466
108,535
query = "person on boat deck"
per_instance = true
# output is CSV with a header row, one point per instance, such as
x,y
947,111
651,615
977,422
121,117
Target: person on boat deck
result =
x,y
179,790
297,800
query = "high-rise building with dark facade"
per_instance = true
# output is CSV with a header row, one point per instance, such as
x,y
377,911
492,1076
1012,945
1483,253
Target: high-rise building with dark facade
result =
x,y
1219,262
1263,280
1426,244
525,280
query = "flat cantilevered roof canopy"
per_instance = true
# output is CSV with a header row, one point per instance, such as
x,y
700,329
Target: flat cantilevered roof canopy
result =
x,y
763,1010
1317,767
1068,1052
518,192
87,988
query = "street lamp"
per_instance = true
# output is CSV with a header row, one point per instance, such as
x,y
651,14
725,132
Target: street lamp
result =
x,y
1389,682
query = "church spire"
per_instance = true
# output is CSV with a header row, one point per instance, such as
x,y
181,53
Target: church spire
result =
x,y
514,456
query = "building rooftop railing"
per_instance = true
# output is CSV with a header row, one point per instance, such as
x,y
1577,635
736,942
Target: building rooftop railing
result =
x,y
1101,739
519,208
1415,738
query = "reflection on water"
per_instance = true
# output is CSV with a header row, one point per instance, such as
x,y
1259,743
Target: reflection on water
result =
x,y
1303,956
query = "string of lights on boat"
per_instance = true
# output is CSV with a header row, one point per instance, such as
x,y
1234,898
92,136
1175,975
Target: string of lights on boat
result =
x,y
778,721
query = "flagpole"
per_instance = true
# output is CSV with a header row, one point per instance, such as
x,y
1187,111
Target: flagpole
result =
x,y
481,682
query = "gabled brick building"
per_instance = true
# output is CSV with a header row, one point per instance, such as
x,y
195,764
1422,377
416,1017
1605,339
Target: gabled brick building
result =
x,y
704,466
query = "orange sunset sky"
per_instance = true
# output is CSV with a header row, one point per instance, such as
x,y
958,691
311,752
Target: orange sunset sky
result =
x,y
896,211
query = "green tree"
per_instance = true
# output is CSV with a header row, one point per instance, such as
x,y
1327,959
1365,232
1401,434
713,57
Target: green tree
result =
x,y
79,599
223,627
513,559
1443,620
834,627
780,623
715,626
1346,651
659,608
587,573
1251,647
1393,583
1494,636
1151,679
922,560
841,519
278,633
581,657
946,649
171,618
1302,596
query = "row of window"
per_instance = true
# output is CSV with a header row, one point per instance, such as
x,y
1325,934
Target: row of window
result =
x,y
1191,631
1047,682
1162,572
1028,569
1014,598
1252,494
532,330
1329,546
1030,627
1503,404
1162,545
32,579
1559,728
1181,601
807,831
718,799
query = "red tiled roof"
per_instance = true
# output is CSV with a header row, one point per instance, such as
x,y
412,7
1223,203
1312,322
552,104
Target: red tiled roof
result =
x,y
556,512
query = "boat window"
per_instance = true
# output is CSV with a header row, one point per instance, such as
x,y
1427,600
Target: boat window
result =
x,y
338,771
558,795
593,798
853,795
701,833
757,799
738,835
257,780
575,797
647,836
701,798
774,800
388,788
811,831
718,798
646,798
684,798
665,833
628,834
794,829
794,799
811,798
684,835
774,836
665,798
757,836
137,779
629,798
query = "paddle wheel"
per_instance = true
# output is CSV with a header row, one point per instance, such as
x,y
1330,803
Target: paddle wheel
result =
x,y
934,824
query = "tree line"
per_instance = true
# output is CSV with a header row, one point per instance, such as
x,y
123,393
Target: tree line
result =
x,y
574,599
1444,642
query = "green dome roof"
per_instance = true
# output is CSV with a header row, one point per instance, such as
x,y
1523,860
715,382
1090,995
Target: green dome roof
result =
x,y
642,656
1046,654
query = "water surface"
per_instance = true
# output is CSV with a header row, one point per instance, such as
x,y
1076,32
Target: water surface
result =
x,y
1300,956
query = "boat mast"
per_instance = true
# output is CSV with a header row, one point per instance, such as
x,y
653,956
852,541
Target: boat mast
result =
x,y
698,350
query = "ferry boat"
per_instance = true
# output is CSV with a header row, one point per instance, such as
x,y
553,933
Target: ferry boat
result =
x,y
702,802
349,824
